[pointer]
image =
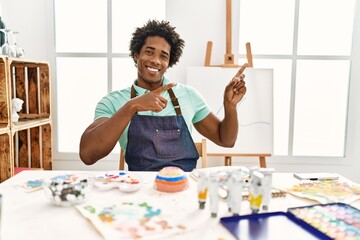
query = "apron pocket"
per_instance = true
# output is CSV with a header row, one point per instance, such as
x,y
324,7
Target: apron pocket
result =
x,y
168,143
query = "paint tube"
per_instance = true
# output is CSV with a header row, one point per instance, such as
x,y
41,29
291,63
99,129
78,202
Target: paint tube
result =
x,y
229,188
214,193
267,186
235,193
202,188
252,169
255,191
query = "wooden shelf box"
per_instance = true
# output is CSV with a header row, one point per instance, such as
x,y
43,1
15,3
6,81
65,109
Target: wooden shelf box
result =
x,y
30,143
7,160
4,97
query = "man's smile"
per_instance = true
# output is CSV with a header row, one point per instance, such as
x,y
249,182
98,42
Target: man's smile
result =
x,y
151,69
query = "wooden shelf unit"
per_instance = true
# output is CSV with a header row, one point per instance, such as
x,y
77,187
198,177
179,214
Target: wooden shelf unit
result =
x,y
6,157
28,142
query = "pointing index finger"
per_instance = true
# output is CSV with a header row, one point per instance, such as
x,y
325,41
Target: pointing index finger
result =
x,y
241,70
164,88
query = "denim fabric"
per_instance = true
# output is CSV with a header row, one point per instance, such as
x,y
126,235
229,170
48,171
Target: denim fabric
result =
x,y
155,142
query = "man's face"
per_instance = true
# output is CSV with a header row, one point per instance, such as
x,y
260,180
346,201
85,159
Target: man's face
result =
x,y
152,62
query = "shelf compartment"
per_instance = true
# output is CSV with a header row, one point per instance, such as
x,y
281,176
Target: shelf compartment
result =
x,y
26,124
6,158
33,148
30,82
4,97
4,130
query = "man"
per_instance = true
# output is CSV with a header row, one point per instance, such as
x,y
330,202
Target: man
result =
x,y
153,118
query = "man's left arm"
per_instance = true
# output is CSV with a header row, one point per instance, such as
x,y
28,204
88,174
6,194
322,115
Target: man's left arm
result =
x,y
224,133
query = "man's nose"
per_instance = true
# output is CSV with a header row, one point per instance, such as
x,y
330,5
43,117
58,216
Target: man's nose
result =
x,y
156,59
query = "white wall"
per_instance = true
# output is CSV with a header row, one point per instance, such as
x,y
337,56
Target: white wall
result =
x,y
197,22
30,19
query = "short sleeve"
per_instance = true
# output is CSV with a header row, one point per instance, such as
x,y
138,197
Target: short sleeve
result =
x,y
109,104
201,107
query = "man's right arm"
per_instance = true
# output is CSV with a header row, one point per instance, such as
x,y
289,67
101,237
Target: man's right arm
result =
x,y
101,136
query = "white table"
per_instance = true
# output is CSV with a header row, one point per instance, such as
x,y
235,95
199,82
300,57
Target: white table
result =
x,y
31,216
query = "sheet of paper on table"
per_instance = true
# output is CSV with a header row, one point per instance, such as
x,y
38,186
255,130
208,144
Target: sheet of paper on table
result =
x,y
343,191
137,220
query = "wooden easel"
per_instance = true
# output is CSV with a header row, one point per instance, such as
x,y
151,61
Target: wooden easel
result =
x,y
229,56
229,63
228,157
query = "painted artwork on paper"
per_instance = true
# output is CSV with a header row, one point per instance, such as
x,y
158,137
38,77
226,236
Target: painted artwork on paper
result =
x,y
131,220
31,185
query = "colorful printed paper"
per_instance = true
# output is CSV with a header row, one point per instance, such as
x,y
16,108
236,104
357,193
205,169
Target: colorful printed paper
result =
x,y
327,191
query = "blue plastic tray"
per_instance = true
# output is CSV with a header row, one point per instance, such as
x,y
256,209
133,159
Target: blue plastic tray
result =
x,y
272,226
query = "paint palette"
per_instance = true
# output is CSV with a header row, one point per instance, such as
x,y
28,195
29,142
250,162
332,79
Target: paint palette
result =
x,y
125,181
336,220
321,221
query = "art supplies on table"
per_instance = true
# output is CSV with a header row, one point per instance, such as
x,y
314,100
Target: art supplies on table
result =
x,y
213,187
68,189
224,173
235,185
256,190
320,221
275,193
171,179
202,189
195,173
221,183
267,183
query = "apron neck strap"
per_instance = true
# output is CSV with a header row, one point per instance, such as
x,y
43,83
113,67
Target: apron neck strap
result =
x,y
174,101
173,98
133,92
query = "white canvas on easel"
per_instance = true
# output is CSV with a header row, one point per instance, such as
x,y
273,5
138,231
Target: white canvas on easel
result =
x,y
255,111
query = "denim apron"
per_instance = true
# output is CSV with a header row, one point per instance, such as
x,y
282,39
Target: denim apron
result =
x,y
155,142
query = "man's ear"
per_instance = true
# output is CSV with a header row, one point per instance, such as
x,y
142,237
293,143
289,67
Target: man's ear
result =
x,y
136,56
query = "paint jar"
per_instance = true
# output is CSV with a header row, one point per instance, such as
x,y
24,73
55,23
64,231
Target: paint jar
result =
x,y
68,189
202,188
256,191
171,179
